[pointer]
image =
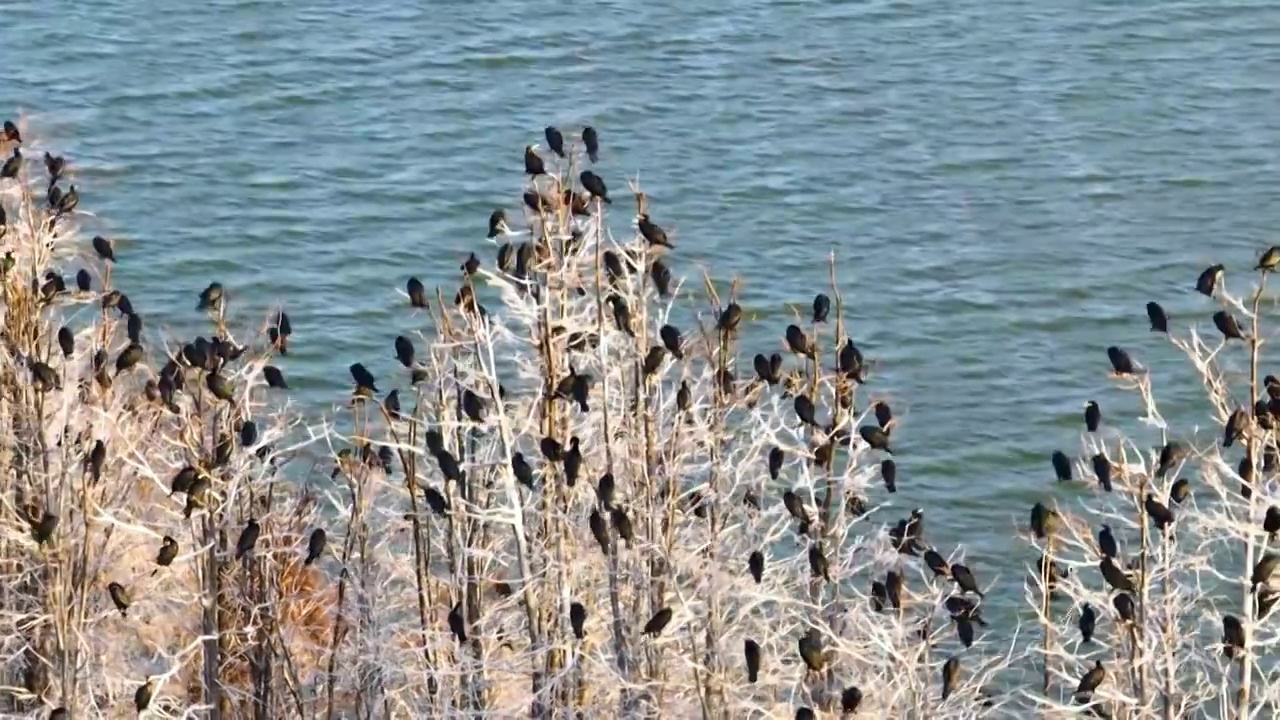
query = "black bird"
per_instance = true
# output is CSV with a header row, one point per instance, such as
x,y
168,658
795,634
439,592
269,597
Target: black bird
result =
x,y
196,493
572,462
449,467
46,378
935,562
799,343
849,361
315,545
1107,543
102,246
1092,416
652,360
760,364
1232,636
128,357
1088,621
810,648
884,414
532,163
751,649
1228,326
555,140
960,606
274,378
594,184
599,530
120,597
1209,280
93,463
434,441
211,297
551,449
592,142
248,433
894,586
776,458
55,165
471,264
12,165
167,553
1171,454
404,352
506,254
875,437
1120,361
672,340
850,699
11,133
805,713
54,195
755,564
950,676
418,292
220,387
1044,521
59,713
684,396
142,697
879,596
621,314
605,490
1159,320
1269,260
472,406
651,232
661,276
248,538
578,618
363,378
1180,491
794,506
818,562
805,410
1115,576
964,578
1125,608
392,404
83,282
457,623
658,622
1102,468
133,328
821,307
729,318
1262,571
66,341
435,500
622,525
1092,679
42,527
522,471
1161,515
1061,466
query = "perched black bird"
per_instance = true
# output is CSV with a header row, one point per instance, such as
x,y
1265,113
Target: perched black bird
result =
x,y
448,464
1262,570
1269,260
555,140
755,564
879,596
315,545
1125,607
167,553
46,378
435,500
622,525
805,713
1159,320
621,314
799,343
418,292
404,352
794,506
1061,466
274,378
875,437
850,699
658,622
248,538
776,458
850,362
818,562
128,358
884,414
653,360
1232,636
821,307
1209,280
12,165
600,530
592,142
1171,454
572,462
120,597
83,282
551,449
1092,679
672,340
1087,623
1107,543
1228,326
11,133
142,697
950,676
729,318
211,297
964,578
435,441
532,163
605,490
894,585
661,276
1044,521
220,387
472,406
1161,515
810,648
42,527
471,264
651,232
458,623
1120,361
935,562
94,461
805,410
55,165
1180,491
102,246
66,341
363,378
196,493
577,619
1102,468
133,329
1115,576
522,471
594,184
751,649
1092,416
684,396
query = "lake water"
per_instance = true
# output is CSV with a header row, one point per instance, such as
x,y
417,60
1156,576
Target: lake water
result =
x,y
1004,184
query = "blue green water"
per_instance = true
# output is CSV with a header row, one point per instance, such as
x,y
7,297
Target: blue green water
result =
x,y
1005,184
